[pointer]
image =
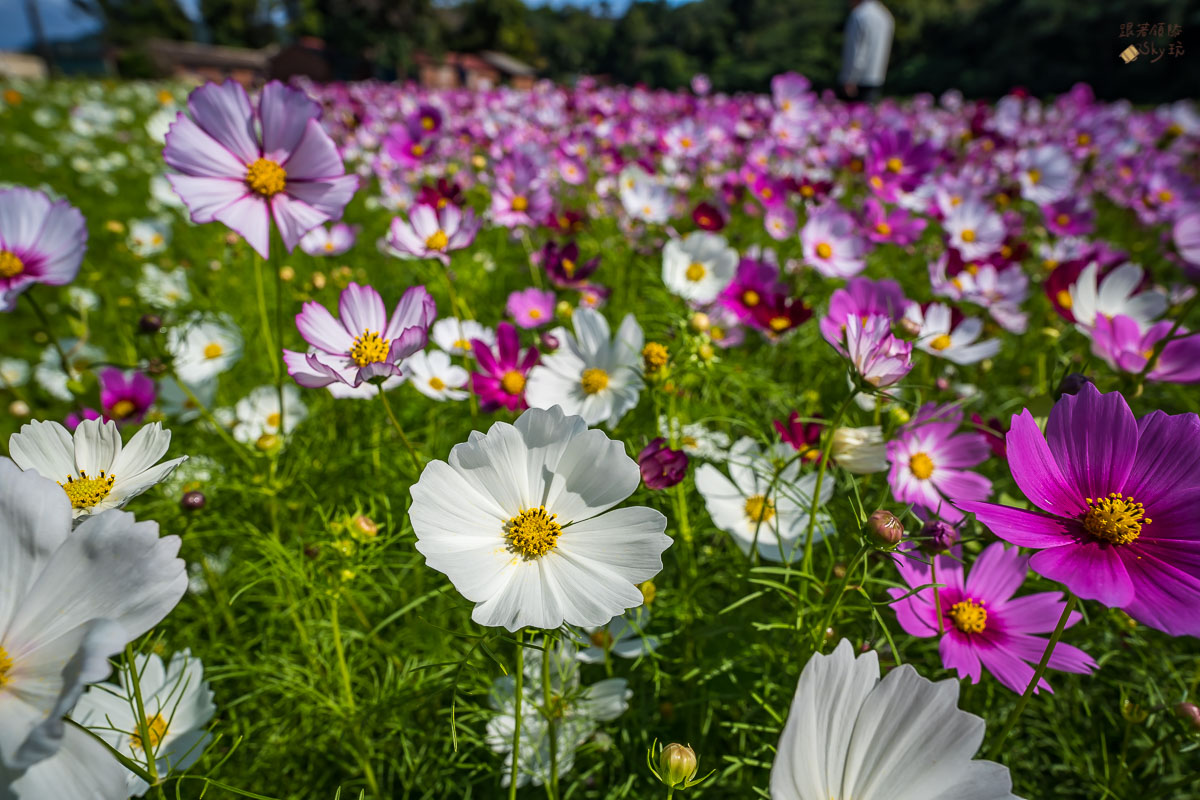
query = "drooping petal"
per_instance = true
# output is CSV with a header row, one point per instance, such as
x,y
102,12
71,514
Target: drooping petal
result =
x,y
294,218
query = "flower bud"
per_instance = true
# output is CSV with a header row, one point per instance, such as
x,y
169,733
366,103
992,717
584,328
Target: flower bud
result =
x,y
1189,712
1071,385
318,280
661,466
910,328
1133,712
193,501
654,358
885,528
150,323
700,322
18,408
363,527
267,442
860,450
938,536
677,764
549,342
286,273
649,590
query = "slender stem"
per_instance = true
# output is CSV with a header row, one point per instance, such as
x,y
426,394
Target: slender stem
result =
x,y
277,361
516,740
1037,677
148,746
1162,343
816,498
937,595
263,316
396,424
336,628
127,762
837,601
211,420
41,315
551,720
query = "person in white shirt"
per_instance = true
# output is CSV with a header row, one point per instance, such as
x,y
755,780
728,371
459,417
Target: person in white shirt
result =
x,y
868,44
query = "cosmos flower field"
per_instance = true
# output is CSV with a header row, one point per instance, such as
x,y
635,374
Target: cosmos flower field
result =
x,y
596,442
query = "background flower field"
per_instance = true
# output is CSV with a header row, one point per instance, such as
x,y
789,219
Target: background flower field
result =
x,y
340,661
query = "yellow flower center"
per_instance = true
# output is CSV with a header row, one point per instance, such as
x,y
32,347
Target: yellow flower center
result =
x,y
593,380
85,492
759,509
688,441
1062,220
273,420
779,323
437,240
568,267
602,639
437,384
1115,518
750,298
767,194
882,228
807,191
6,665
266,177
686,142
824,250
329,247
533,532
921,465
1083,139
11,264
1165,196
969,616
513,382
156,729
213,350
417,150
535,313
894,164
654,356
1064,298
1035,175
369,348
968,235
520,202
427,123
122,409
876,181
940,342
695,271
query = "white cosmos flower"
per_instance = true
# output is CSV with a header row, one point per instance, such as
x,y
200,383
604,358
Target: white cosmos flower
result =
x,y
148,237
744,504
257,414
579,710
1047,174
432,374
178,705
590,374
1116,294
95,472
624,636
860,450
455,335
698,266
939,336
516,518
163,289
644,196
695,439
851,736
69,599
14,372
204,347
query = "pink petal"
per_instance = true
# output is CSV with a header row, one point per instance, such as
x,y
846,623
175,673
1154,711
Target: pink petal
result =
x,y
321,330
1010,670
250,217
361,309
224,112
205,197
1036,472
915,616
193,152
314,156
996,574
22,214
1094,438
285,114
1092,570
1024,528
61,244
1035,613
1166,597
415,309
328,196
959,653
407,343
304,373
1162,466
294,218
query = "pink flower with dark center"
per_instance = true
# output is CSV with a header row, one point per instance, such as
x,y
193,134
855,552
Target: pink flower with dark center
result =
x,y
363,343
753,282
804,437
126,397
1071,216
41,241
243,165
500,381
896,226
982,626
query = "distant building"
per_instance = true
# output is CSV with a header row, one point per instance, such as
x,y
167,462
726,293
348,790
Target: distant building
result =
x,y
22,65
205,62
467,70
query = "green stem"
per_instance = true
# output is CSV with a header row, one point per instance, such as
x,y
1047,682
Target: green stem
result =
x,y
277,360
837,601
41,315
551,721
135,680
816,498
937,595
211,420
1037,677
125,761
519,677
336,628
416,459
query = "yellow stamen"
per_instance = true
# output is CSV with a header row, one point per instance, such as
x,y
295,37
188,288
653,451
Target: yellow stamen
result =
x,y
921,465
940,342
568,267
427,123
969,616
417,150
462,344
156,729
593,380
535,313
520,202
329,247
894,164
213,350
11,264
85,492
437,384
1035,175
122,409
1063,220
759,509
369,348
437,240
695,271
1115,518
533,532
824,250
750,298
968,235
273,420
654,357
266,177
6,666
1064,298
883,229
513,382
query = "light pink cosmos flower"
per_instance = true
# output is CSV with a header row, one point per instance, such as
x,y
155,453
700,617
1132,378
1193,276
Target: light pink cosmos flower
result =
x,y
41,241
362,343
431,233
1125,345
242,165
878,357
930,460
331,241
974,229
532,307
831,242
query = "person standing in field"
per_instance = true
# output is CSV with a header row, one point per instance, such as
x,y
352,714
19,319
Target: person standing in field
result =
x,y
868,44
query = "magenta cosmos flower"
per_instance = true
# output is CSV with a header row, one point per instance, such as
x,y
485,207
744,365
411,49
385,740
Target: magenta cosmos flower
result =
x,y
243,166
329,242
662,467
877,357
362,343
983,626
862,298
500,381
1117,498
532,307
125,397
41,241
433,233
930,462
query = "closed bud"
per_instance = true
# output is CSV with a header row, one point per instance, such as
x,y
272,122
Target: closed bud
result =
x,y
156,367
150,323
648,590
267,442
1189,712
18,408
677,764
1071,385
910,329
193,501
549,342
286,273
363,527
938,536
700,322
885,528
1133,712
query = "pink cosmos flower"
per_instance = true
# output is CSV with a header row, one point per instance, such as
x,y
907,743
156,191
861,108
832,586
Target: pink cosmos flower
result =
x,y
930,462
517,205
41,241
831,243
243,166
974,229
1124,345
125,397
431,233
752,283
331,241
1116,501
1072,216
532,307
862,298
896,226
362,343
500,381
661,466
895,163
983,626
780,222
878,357
1186,233
406,144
